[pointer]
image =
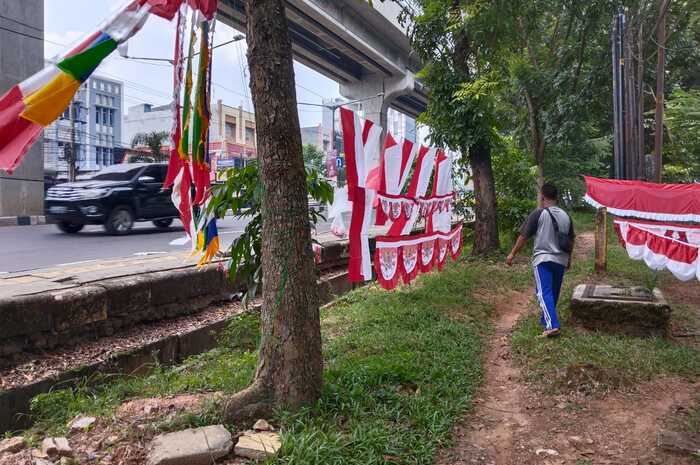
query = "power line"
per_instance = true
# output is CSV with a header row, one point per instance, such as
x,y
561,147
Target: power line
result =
x,y
21,23
21,33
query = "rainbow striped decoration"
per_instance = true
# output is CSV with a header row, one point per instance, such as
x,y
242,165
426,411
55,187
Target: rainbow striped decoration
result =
x,y
37,101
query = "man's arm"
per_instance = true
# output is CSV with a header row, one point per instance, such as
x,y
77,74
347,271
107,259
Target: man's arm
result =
x,y
519,244
527,230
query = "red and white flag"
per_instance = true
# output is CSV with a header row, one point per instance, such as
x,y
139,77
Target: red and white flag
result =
x,y
361,145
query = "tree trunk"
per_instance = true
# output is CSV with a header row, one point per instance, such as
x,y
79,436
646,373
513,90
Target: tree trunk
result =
x,y
485,219
538,143
290,369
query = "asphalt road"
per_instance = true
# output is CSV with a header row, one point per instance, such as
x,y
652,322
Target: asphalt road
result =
x,y
30,247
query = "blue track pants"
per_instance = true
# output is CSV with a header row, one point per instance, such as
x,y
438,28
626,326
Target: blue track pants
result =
x,y
548,278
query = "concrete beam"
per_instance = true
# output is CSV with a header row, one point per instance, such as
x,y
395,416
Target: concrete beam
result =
x,y
342,39
21,55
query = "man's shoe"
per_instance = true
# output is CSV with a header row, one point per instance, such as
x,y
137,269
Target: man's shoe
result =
x,y
550,333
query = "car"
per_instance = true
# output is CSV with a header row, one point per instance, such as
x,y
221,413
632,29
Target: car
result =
x,y
115,197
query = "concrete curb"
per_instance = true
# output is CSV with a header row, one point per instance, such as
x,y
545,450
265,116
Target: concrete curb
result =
x,y
22,220
14,403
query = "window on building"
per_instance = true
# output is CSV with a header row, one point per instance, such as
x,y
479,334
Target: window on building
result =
x,y
249,136
230,130
116,90
111,118
98,115
102,86
94,84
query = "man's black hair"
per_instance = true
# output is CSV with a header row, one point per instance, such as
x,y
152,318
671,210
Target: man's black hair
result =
x,y
549,191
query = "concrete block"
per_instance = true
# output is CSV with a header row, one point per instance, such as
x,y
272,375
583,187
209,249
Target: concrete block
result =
x,y
199,340
127,295
77,307
199,446
23,315
630,311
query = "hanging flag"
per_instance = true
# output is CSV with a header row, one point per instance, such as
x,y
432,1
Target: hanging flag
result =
x,y
200,125
647,200
361,144
179,166
662,246
36,102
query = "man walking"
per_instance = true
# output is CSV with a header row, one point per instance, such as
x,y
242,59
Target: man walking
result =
x,y
554,240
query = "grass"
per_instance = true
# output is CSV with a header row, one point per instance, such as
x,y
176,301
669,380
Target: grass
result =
x,y
400,368
628,358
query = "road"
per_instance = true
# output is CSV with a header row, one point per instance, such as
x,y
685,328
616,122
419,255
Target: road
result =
x,y
30,247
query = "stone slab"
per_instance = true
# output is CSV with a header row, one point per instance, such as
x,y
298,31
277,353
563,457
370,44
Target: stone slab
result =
x,y
198,446
257,445
684,443
629,311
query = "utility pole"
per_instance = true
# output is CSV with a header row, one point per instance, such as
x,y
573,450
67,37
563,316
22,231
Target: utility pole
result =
x,y
73,156
660,71
618,94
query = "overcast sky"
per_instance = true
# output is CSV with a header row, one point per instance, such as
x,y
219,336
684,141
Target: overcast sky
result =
x,y
67,22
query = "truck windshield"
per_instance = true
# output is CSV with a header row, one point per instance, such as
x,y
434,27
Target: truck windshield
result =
x,y
117,173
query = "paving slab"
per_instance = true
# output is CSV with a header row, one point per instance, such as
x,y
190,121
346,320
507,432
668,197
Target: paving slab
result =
x,y
198,446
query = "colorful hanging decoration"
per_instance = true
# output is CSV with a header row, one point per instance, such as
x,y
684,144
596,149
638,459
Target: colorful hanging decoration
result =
x,y
381,183
654,221
36,102
189,168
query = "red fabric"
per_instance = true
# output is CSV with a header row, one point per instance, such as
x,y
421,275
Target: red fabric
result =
x,y
388,142
425,241
661,245
347,120
17,134
406,274
666,201
168,8
354,239
175,163
84,44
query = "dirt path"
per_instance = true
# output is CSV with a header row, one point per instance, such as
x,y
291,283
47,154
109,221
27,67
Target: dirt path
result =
x,y
515,424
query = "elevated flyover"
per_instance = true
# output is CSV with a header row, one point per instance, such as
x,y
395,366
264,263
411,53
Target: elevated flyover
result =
x,y
364,49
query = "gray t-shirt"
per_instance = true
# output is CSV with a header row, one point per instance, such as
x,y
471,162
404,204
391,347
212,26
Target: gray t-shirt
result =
x,y
546,248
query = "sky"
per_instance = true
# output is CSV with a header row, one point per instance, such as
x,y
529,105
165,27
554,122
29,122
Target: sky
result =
x,y
66,22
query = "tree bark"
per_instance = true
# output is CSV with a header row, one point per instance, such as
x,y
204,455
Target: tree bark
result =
x,y
538,142
290,369
485,215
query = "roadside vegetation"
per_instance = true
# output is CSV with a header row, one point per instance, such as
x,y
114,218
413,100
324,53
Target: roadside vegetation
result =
x,y
400,368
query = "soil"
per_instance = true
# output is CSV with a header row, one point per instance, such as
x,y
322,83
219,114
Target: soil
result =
x,y
123,439
515,423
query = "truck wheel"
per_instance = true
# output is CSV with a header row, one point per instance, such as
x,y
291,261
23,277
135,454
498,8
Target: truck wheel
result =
x,y
164,223
120,221
69,228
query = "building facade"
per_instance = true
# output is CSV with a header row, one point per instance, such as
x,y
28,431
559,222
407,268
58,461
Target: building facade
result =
x,y
318,136
95,127
232,134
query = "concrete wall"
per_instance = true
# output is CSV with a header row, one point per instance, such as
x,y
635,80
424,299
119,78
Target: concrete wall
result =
x,y
22,193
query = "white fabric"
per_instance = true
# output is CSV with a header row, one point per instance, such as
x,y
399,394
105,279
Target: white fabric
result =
x,y
682,271
426,169
443,185
686,218
126,22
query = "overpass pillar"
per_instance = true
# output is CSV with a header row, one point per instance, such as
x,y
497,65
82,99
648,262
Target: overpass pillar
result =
x,y
21,55
375,108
